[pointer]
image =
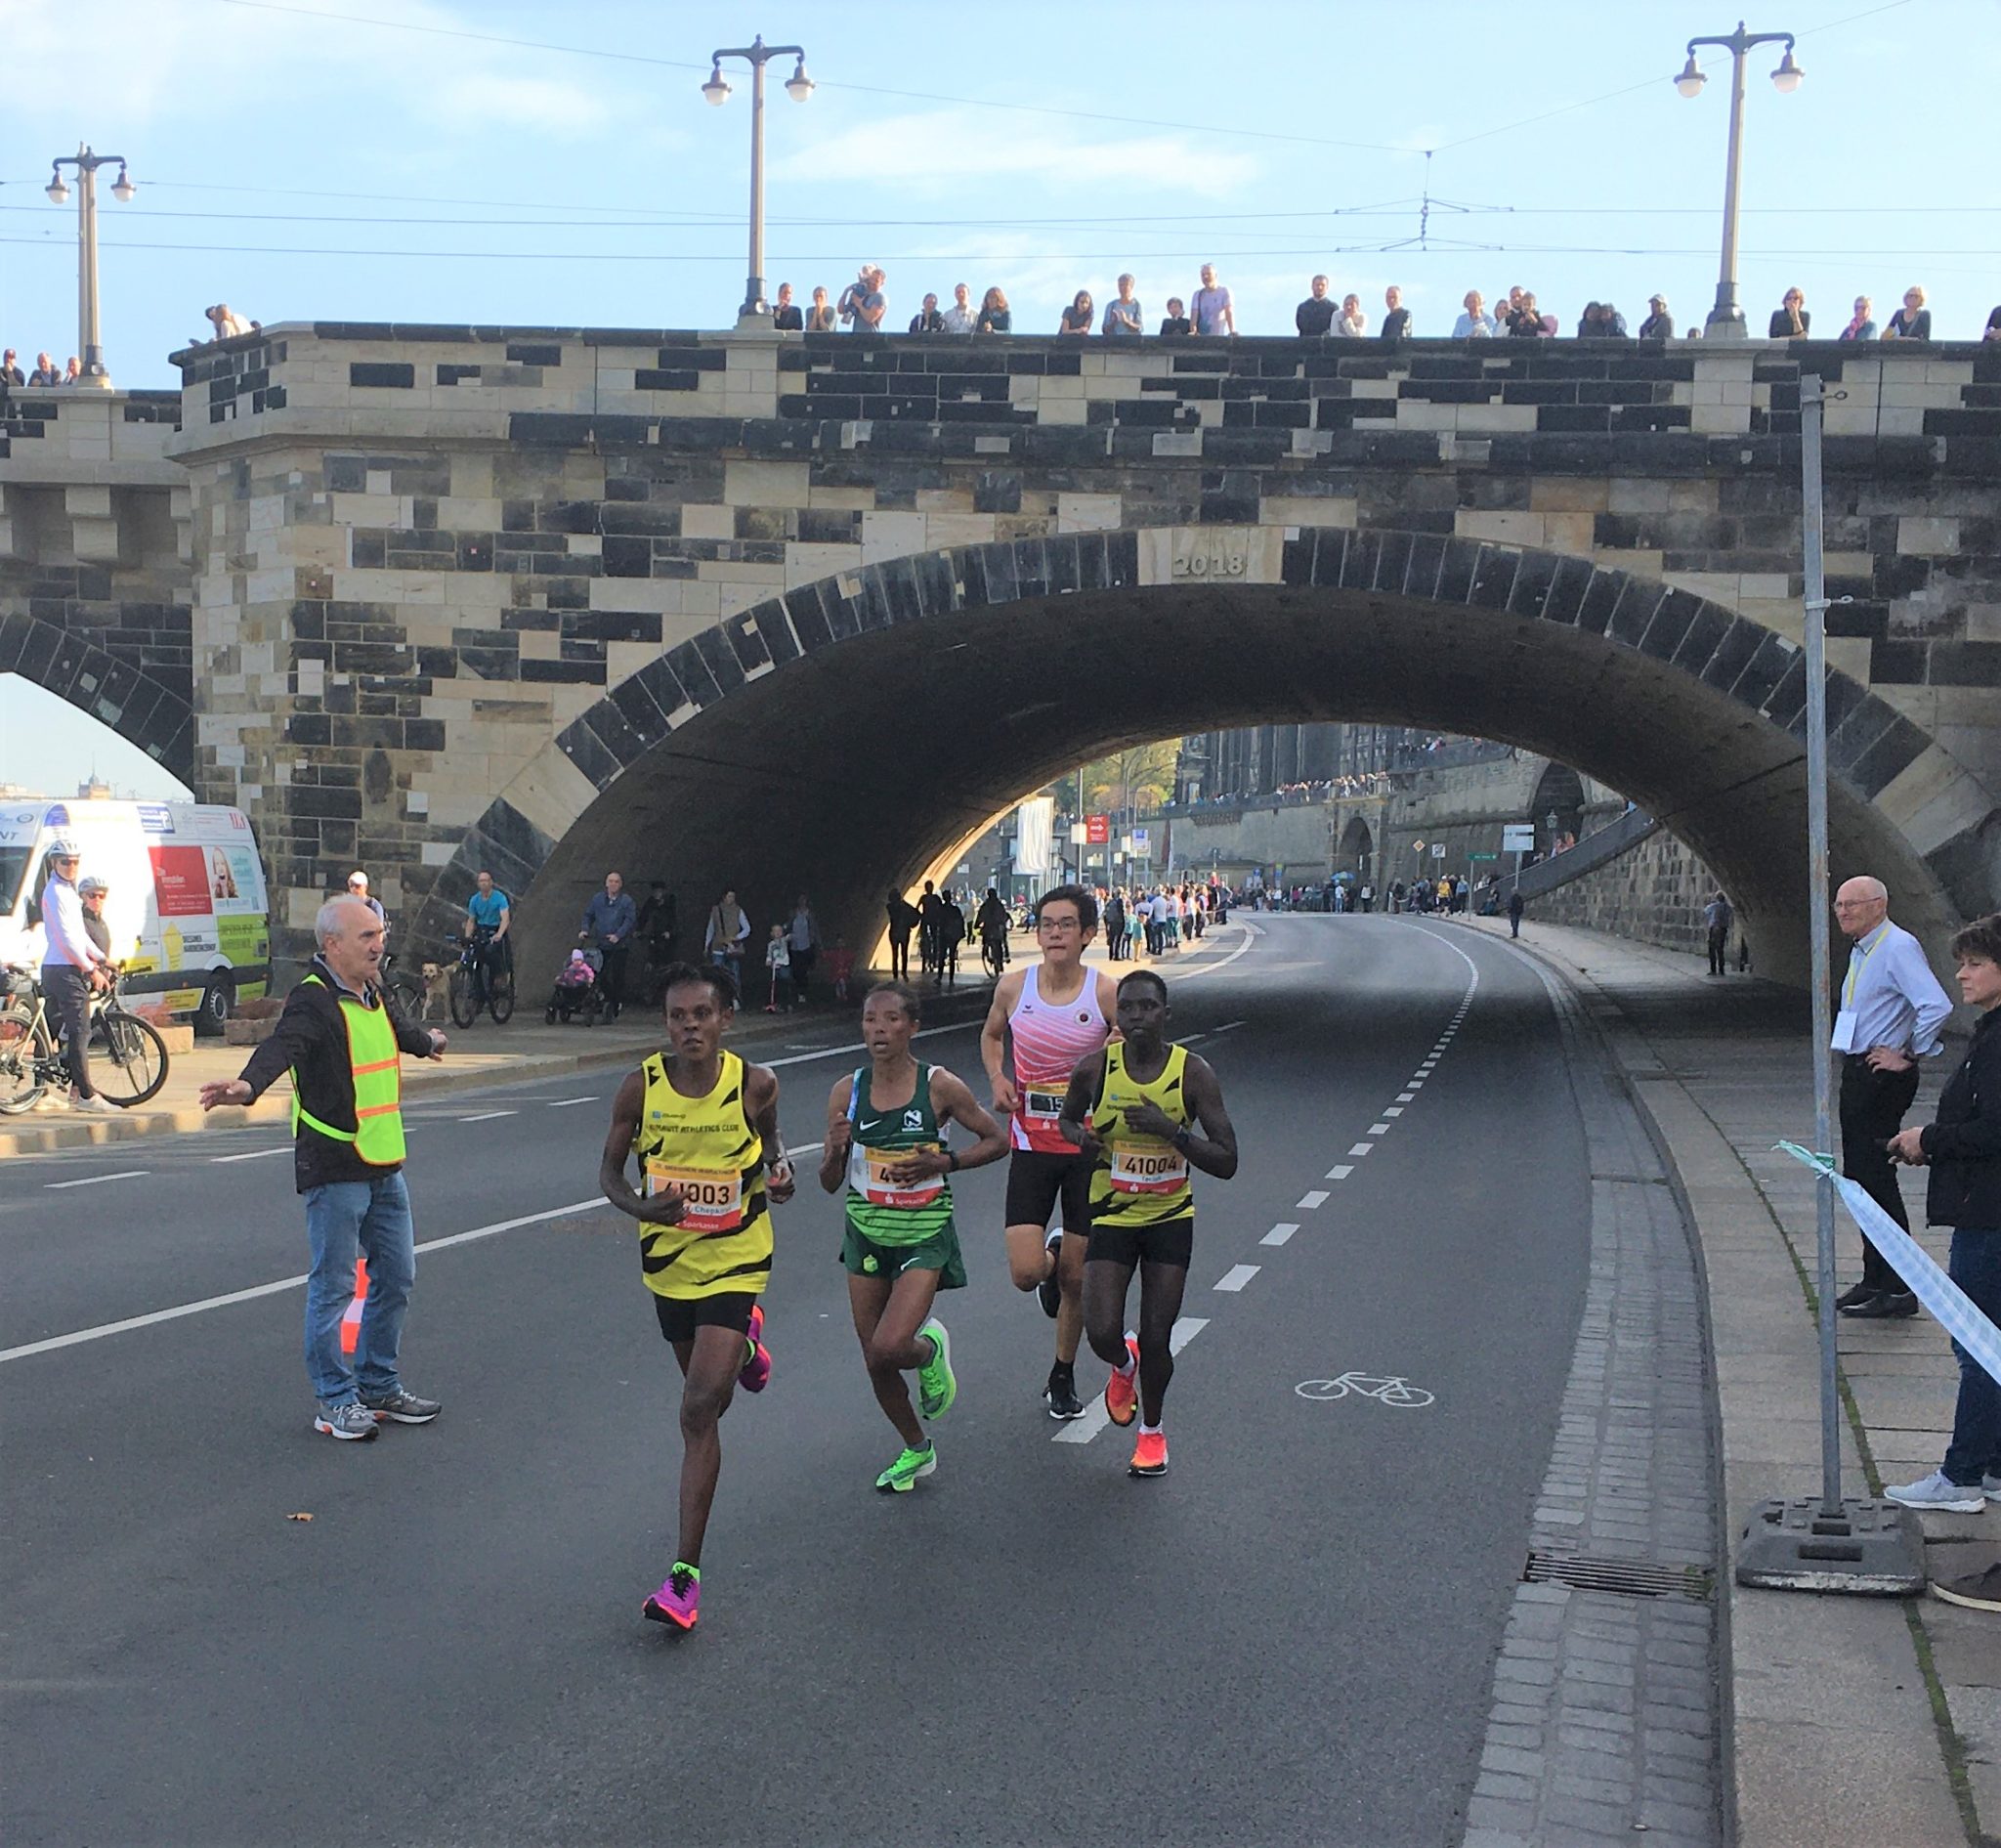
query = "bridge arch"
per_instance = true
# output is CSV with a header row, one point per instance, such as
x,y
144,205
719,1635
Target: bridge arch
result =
x,y
137,705
1356,851
840,737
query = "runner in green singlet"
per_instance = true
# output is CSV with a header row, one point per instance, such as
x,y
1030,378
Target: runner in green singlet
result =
x,y
885,1143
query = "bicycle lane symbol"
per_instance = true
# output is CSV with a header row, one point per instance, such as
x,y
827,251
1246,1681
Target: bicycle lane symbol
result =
x,y
1390,1390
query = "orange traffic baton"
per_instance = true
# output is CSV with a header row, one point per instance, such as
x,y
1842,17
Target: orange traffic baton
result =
x,y
351,1321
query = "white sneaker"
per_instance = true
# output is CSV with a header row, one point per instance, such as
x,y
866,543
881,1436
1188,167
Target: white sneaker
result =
x,y
1938,1495
97,1106
1991,1486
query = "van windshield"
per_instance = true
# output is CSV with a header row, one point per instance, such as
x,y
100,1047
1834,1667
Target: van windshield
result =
x,y
14,865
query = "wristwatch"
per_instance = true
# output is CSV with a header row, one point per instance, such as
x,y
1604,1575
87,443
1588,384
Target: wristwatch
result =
x,y
1182,1139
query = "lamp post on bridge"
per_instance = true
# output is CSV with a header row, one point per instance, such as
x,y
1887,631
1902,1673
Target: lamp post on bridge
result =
x,y
90,352
798,86
1726,319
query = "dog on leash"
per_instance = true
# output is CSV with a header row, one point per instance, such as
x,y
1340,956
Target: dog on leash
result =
x,y
437,990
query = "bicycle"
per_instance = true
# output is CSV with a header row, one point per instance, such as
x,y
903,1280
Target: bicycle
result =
x,y
129,1056
407,989
993,955
482,978
1385,1390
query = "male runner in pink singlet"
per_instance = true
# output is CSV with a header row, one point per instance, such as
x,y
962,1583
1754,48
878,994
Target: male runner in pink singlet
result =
x,y
1057,1012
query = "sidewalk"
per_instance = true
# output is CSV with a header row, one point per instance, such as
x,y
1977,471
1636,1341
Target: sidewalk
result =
x,y
1851,1720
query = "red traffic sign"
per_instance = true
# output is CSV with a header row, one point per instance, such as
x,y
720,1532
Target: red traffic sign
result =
x,y
1097,830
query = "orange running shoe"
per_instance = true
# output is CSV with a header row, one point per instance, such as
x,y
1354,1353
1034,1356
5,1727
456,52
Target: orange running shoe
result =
x,y
1121,1389
1149,1454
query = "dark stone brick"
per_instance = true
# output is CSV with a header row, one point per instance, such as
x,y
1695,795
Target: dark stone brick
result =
x,y
1899,747
1638,598
718,656
1567,588
640,710
1788,699
1600,598
582,746
388,376
627,558
1533,577
1670,624
1897,663
1429,551
1702,638
1956,664
1392,562
576,672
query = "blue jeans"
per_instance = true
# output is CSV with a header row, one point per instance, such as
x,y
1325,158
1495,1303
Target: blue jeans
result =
x,y
370,1219
1975,1447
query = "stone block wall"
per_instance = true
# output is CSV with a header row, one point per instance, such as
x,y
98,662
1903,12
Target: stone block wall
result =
x,y
1653,893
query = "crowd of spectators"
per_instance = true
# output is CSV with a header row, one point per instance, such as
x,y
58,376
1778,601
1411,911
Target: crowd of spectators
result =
x,y
863,307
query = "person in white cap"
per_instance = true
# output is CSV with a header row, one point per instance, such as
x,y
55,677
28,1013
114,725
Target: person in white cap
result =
x,y
73,968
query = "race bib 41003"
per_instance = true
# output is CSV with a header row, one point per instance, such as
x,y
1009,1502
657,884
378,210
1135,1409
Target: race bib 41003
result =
x,y
714,1201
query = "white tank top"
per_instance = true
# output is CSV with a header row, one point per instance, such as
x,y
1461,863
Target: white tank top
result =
x,y
1048,1043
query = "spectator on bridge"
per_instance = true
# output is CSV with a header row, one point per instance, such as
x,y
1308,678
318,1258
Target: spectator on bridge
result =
x,y
1790,319
927,318
72,372
45,372
610,920
1911,321
1123,316
785,314
1527,322
1718,917
227,322
1590,324
10,372
1659,325
1473,324
960,317
1614,322
1891,1010
1081,316
1505,306
996,317
1175,325
1351,324
1213,311
1862,323
819,317
863,303
1397,319
729,930
1993,332
1316,315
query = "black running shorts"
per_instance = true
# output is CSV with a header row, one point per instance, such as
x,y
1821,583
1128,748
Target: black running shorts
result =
x,y
1171,1242
681,1315
1036,1180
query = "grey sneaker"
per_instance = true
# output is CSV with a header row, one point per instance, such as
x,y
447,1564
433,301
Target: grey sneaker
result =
x,y
1991,1486
1939,1493
400,1407
349,1423
1976,1591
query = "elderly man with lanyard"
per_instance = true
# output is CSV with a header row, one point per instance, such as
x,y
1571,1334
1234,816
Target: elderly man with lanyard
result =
x,y
342,1038
74,968
1890,1009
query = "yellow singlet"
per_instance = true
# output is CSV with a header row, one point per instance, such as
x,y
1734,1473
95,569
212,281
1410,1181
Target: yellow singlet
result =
x,y
1139,1179
706,1147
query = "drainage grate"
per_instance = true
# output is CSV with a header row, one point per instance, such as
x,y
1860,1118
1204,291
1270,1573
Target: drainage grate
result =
x,y
1635,1580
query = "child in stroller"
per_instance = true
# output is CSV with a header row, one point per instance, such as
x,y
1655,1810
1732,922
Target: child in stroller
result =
x,y
576,989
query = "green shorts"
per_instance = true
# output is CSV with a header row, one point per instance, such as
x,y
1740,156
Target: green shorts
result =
x,y
865,1257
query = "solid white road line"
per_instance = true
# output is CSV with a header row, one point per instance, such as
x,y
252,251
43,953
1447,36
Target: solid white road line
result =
x,y
1095,1418
1280,1232
91,1180
488,1116
1340,1173
179,1309
1236,1276
564,1103
1316,1197
258,1154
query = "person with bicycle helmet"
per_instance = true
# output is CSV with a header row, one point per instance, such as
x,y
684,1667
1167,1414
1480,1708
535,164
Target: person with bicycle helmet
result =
x,y
94,892
74,968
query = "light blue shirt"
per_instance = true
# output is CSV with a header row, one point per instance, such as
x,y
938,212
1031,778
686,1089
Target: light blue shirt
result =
x,y
1895,998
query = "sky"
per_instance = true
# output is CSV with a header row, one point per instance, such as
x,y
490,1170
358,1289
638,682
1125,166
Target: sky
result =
x,y
555,164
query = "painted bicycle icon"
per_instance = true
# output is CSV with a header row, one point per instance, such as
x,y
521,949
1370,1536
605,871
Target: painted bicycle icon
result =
x,y
1385,1389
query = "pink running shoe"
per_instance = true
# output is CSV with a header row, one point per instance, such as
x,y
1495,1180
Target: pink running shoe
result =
x,y
756,1370
678,1599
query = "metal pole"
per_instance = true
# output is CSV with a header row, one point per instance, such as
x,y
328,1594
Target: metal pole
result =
x,y
1727,317
90,352
1818,914
753,289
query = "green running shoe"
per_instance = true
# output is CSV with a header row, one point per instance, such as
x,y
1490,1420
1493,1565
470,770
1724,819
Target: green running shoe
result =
x,y
937,1384
901,1477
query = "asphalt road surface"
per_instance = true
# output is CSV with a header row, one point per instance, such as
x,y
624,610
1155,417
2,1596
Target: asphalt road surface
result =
x,y
1288,1638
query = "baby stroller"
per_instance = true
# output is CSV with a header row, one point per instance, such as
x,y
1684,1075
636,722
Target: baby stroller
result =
x,y
576,990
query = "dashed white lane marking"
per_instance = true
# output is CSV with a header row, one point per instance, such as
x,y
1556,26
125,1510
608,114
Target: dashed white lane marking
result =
x,y
488,1116
1340,1173
1316,1197
1379,1128
1393,1109
1361,1148
1280,1232
564,1103
275,1289
91,1180
1229,1026
1095,1418
1408,1097
257,1154
1236,1276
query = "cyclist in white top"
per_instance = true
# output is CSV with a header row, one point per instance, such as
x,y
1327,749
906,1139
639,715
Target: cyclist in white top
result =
x,y
73,968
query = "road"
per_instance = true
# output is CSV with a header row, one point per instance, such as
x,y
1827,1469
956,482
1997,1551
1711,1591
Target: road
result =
x,y
1288,1638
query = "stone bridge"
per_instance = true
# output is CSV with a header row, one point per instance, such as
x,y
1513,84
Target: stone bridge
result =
x,y
803,612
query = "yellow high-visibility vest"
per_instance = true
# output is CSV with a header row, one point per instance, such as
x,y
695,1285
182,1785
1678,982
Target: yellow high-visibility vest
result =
x,y
376,1062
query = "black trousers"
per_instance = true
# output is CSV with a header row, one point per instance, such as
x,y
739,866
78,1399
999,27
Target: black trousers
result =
x,y
1719,944
67,993
900,956
613,980
1873,1104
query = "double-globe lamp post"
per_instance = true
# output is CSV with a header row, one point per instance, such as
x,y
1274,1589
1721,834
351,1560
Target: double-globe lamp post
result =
x,y
1726,318
798,86
91,354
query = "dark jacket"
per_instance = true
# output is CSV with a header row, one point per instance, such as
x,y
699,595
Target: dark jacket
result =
x,y
608,917
311,1042
1964,1144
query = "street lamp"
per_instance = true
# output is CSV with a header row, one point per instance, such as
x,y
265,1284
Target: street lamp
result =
x,y
798,86
91,354
1726,318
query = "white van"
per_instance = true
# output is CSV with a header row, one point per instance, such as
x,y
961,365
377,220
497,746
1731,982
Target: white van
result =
x,y
188,908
